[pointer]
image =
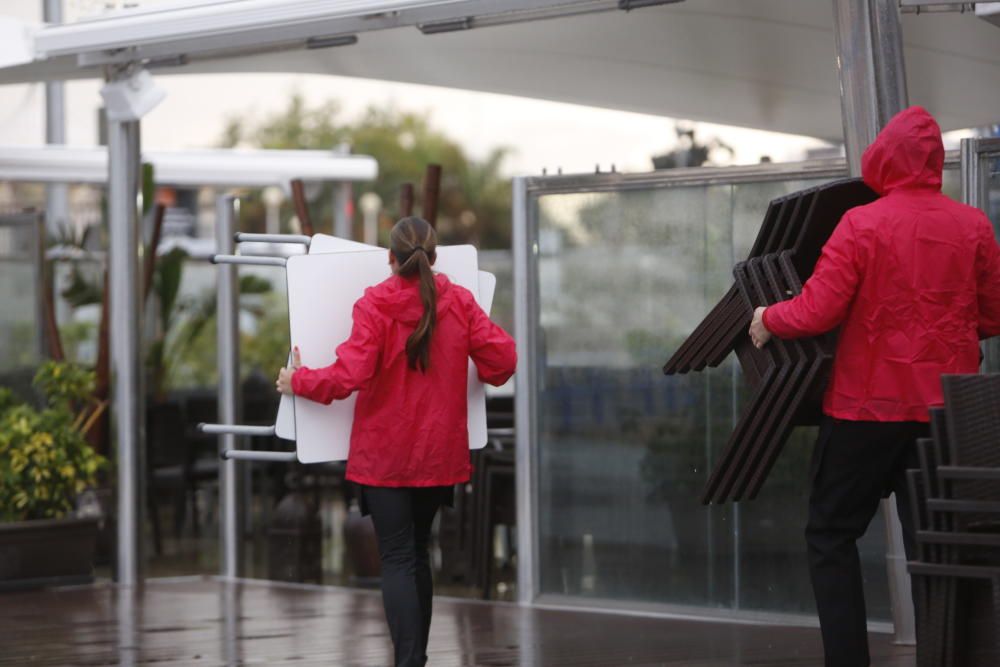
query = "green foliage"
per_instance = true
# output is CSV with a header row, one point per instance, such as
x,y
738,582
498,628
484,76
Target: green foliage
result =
x,y
251,284
81,290
267,348
148,187
167,276
20,349
475,199
646,348
74,335
64,385
188,348
45,461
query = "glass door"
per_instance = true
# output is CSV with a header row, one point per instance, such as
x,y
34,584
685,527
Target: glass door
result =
x,y
981,188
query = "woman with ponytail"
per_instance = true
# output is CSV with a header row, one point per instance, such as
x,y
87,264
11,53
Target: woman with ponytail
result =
x,y
407,357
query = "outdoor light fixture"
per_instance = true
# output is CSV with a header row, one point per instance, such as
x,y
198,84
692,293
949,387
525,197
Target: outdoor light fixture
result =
x,y
218,29
169,61
132,97
629,5
329,42
445,26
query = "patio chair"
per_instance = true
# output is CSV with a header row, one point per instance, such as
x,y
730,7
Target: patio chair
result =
x,y
956,511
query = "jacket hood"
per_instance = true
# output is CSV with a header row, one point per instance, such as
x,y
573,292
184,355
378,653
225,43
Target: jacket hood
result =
x,y
398,298
907,153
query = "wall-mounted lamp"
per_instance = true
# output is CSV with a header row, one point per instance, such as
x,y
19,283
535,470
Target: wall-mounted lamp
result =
x,y
629,5
445,26
330,42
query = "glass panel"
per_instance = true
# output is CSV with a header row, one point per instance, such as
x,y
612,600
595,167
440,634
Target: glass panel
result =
x,y
501,264
990,166
20,328
772,564
951,183
624,452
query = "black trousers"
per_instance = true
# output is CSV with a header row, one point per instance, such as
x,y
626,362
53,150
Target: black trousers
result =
x,y
855,465
403,518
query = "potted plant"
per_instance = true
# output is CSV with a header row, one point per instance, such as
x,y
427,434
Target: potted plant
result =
x,y
45,463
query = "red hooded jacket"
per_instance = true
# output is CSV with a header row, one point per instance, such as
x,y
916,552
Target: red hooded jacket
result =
x,y
411,428
912,279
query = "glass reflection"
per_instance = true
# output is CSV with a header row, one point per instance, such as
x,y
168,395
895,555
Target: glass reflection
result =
x,y
623,451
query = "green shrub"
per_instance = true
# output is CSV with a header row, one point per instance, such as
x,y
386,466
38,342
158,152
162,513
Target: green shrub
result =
x,y
45,461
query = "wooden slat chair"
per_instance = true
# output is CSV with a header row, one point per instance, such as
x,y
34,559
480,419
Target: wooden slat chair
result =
x,y
956,505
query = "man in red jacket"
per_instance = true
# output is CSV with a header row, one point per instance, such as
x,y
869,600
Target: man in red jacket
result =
x,y
913,282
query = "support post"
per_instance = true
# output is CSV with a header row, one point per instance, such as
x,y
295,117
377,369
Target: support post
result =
x,y
298,239
56,194
973,190
248,260
873,90
432,192
123,281
525,259
227,318
871,68
406,200
342,209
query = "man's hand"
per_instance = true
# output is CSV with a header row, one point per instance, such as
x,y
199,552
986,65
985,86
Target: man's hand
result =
x,y
284,382
758,332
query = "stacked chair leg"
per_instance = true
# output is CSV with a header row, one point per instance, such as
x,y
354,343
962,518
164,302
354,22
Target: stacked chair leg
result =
x,y
788,377
956,510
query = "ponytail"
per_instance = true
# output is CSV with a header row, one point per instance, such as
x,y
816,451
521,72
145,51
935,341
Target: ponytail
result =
x,y
414,245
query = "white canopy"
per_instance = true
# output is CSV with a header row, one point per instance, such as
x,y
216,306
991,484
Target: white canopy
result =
x,y
768,64
211,167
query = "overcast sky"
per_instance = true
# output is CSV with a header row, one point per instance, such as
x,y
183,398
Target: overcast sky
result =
x,y
543,134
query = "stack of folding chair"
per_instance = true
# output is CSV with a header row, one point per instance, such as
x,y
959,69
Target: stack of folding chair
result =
x,y
955,498
788,377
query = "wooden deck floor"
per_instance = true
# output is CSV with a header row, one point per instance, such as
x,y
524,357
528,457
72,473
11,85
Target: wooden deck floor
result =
x,y
207,622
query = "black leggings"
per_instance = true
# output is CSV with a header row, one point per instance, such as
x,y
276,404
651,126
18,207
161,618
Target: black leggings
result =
x,y
403,518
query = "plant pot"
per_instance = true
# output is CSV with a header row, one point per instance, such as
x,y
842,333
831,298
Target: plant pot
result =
x,y
50,552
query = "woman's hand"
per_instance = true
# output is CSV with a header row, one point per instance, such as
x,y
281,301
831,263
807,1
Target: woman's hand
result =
x,y
758,332
284,382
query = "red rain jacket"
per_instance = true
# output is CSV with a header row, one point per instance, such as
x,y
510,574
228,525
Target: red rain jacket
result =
x,y
411,428
912,279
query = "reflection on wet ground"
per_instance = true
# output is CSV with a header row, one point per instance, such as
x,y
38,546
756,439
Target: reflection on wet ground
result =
x,y
204,621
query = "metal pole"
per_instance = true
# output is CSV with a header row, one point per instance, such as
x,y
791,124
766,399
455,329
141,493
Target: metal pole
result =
x,y
973,192
56,194
123,269
298,239
342,193
900,591
227,316
247,260
871,68
236,429
525,256
872,91
255,455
